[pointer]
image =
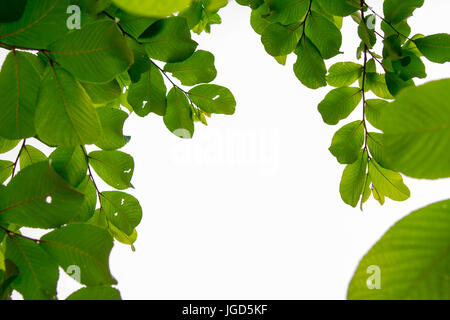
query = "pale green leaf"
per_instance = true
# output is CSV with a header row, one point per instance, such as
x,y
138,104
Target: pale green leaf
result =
x,y
413,259
417,131
339,103
212,98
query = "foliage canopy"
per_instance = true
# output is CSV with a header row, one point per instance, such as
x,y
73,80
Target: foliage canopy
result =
x,y
76,70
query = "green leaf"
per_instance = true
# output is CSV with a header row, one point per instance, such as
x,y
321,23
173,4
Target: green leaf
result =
x,y
366,192
114,167
152,8
6,169
413,259
287,11
198,68
102,93
353,180
397,10
42,23
310,68
212,98
374,109
92,7
347,142
279,40
47,203
324,35
387,182
19,85
417,131
169,40
7,145
70,163
149,94
89,204
11,10
122,210
30,155
339,103
375,142
394,29
82,246
65,115
95,53
414,68
377,84
141,61
343,74
339,7
367,35
178,117
38,274
435,48
112,121
257,18
95,293
9,273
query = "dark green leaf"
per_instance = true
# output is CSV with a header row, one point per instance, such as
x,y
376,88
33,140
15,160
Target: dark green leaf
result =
x,y
417,131
95,293
169,40
11,10
212,98
38,274
435,48
19,85
42,23
112,121
70,163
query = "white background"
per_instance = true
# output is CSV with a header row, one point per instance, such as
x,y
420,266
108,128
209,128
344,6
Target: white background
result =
x,y
250,208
